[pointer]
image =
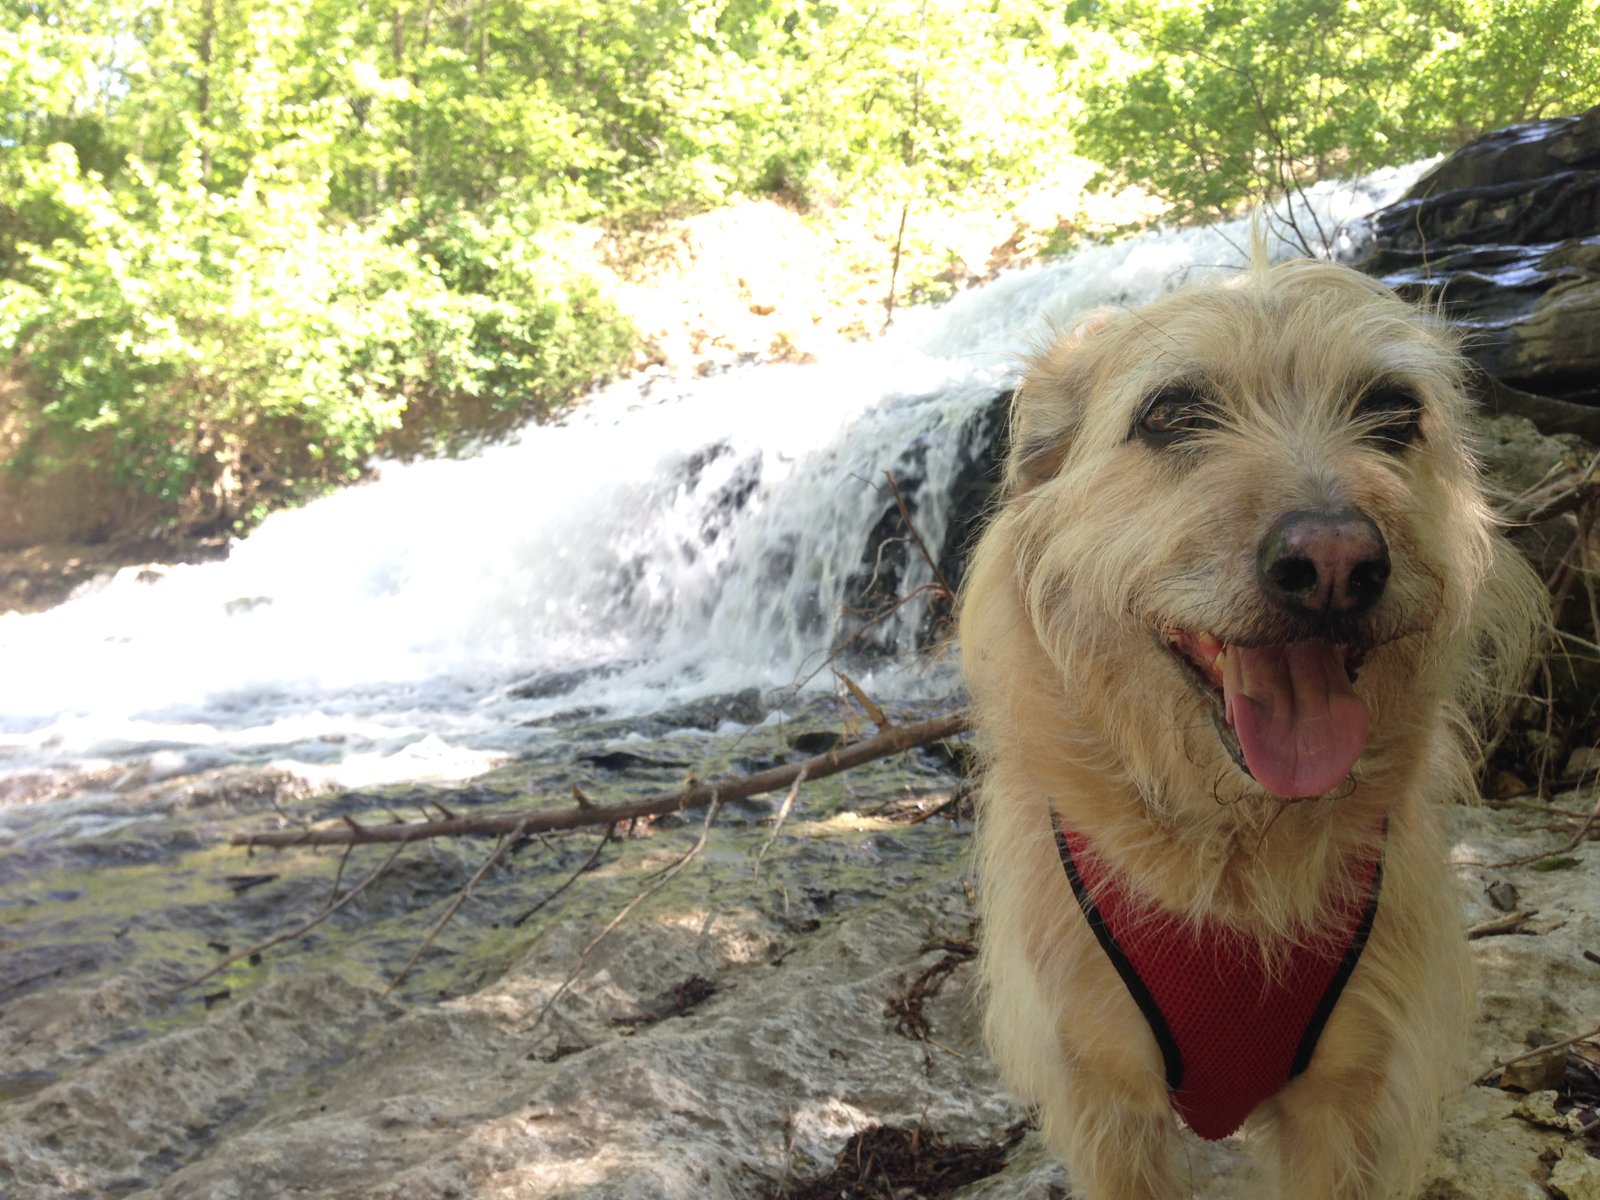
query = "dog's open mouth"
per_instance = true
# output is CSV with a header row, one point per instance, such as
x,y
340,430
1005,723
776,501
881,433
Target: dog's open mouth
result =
x,y
1287,712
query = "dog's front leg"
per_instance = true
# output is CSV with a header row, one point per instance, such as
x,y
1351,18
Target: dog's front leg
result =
x,y
1116,1135
1329,1140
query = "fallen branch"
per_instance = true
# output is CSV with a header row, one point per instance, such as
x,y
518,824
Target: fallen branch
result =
x,y
867,704
892,741
1510,923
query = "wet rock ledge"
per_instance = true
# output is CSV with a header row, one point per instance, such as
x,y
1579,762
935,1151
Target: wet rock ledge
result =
x,y
1505,236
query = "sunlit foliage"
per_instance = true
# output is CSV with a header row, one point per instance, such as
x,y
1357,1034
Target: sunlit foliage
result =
x,y
245,244
1209,103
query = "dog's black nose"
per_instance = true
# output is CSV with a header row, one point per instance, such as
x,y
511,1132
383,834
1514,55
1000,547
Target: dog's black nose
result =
x,y
1324,563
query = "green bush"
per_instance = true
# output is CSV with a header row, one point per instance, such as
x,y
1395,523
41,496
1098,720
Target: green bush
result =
x,y
232,353
516,332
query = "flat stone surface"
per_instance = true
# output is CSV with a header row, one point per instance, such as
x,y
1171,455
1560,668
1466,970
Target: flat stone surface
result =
x,y
726,1041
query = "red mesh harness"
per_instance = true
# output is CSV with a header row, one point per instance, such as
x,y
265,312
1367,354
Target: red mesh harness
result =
x,y
1231,1035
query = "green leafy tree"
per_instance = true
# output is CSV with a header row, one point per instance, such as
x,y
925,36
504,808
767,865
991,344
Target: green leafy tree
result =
x,y
190,309
1213,103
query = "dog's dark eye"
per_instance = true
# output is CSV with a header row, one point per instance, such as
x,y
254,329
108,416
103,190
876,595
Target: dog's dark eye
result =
x,y
1390,414
1174,413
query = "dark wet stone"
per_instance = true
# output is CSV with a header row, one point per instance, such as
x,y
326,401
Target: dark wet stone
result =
x,y
567,716
816,741
879,583
561,683
742,708
952,756
1505,235
984,442
626,760
25,968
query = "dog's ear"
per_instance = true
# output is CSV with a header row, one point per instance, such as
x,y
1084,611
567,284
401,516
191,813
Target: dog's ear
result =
x,y
1048,406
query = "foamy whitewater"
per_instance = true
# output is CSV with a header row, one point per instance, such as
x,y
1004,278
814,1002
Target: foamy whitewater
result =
x,y
669,541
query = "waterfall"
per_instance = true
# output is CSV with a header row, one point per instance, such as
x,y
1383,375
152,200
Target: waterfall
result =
x,y
668,540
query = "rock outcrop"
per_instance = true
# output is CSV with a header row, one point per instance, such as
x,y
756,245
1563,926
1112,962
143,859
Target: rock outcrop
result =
x,y
1505,236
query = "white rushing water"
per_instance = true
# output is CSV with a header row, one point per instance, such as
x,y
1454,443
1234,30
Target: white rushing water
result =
x,y
670,541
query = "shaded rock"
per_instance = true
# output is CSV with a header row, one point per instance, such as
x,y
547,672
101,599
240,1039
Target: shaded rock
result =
x,y
874,590
627,760
816,741
1505,234
1530,151
32,967
984,441
561,683
744,707
884,1159
729,1041
730,495
889,548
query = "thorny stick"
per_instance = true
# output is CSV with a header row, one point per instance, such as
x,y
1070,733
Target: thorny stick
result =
x,y
666,876
461,897
895,740
298,930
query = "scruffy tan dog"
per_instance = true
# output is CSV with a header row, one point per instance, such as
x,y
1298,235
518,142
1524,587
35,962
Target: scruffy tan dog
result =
x,y
1226,638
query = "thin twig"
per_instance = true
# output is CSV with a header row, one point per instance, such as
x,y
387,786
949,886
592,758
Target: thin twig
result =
x,y
1563,1044
665,878
573,878
1559,586
1567,493
461,897
338,876
877,715
783,812
1510,923
916,534
1572,843
299,929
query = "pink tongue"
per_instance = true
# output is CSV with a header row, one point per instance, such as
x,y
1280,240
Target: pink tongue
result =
x,y
1300,723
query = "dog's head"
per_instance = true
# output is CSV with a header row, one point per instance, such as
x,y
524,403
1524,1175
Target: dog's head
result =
x,y
1244,526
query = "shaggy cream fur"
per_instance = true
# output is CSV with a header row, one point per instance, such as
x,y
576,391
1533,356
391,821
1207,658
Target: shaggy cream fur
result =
x,y
1125,532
